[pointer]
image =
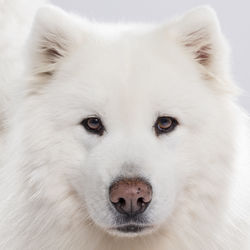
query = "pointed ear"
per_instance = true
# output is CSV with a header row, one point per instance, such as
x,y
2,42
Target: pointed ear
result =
x,y
199,33
55,34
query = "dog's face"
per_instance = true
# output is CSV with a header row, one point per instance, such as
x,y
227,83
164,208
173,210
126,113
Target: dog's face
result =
x,y
127,115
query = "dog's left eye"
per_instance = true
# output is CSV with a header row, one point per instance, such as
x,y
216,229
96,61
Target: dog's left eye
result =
x,y
93,125
165,124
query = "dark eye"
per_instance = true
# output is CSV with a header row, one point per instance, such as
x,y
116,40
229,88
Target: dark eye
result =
x,y
93,125
165,124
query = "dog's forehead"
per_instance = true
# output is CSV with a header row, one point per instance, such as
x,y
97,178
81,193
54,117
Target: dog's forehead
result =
x,y
132,65
130,72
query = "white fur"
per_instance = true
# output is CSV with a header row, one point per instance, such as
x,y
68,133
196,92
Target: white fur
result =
x,y
55,176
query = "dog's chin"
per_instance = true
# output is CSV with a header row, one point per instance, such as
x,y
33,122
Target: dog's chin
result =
x,y
131,230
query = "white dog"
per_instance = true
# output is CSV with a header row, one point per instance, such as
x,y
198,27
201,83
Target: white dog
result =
x,y
119,136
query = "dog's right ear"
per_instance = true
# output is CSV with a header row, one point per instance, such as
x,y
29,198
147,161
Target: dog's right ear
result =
x,y
54,36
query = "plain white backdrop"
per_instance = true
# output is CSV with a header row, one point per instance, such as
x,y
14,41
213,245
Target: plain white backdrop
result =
x,y
234,17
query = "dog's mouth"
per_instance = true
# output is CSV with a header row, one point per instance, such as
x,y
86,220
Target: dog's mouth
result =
x,y
132,229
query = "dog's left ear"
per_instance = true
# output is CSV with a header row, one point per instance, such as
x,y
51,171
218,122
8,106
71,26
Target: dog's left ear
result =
x,y
199,34
54,36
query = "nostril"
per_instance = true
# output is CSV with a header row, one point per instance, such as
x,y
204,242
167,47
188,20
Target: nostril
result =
x,y
122,202
140,201
120,205
142,205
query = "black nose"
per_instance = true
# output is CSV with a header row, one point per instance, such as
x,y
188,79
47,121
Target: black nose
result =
x,y
130,196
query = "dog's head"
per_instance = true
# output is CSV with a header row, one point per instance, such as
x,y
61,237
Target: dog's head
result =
x,y
136,119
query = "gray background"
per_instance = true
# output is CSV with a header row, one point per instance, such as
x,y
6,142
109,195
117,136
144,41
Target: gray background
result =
x,y
234,17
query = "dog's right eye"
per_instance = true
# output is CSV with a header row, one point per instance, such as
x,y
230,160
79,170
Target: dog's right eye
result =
x,y
93,125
